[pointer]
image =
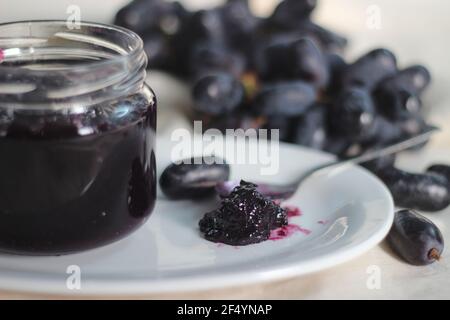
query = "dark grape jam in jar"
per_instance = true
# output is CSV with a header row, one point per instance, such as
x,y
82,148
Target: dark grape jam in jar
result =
x,y
77,137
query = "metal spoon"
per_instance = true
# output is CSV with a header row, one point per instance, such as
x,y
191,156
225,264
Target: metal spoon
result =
x,y
284,192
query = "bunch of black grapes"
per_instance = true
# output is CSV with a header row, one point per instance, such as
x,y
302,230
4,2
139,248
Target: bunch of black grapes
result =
x,y
281,72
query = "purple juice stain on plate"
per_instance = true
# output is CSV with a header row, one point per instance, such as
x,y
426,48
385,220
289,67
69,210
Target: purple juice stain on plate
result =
x,y
292,211
287,231
290,229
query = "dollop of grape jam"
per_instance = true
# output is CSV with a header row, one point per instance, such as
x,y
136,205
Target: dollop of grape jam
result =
x,y
244,217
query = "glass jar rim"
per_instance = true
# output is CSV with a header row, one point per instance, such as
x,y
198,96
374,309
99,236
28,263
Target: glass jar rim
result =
x,y
109,66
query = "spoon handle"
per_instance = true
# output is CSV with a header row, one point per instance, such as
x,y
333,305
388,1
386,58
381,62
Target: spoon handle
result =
x,y
395,148
284,192
371,155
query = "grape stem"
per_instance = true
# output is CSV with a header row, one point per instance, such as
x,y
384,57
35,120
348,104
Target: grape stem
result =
x,y
434,254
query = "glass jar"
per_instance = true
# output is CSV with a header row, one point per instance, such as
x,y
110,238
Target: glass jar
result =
x,y
77,137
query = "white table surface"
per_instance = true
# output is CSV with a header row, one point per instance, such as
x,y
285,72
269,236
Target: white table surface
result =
x,y
418,31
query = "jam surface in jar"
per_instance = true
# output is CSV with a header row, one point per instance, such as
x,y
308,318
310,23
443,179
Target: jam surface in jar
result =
x,y
71,182
77,137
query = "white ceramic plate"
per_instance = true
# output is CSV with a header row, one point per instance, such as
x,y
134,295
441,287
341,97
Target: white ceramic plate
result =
x,y
347,214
